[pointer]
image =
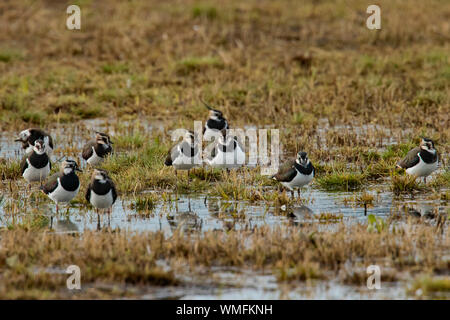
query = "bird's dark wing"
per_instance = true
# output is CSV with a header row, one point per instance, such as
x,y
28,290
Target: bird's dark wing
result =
x,y
51,184
286,172
87,150
87,196
24,163
113,190
171,155
50,142
410,160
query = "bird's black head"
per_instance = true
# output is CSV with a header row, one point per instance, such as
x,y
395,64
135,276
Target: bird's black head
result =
x,y
68,166
189,137
213,113
24,135
427,144
302,158
100,175
103,138
39,146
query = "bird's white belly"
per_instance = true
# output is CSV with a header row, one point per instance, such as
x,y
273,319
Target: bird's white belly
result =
x,y
94,159
299,181
210,133
228,160
422,169
62,195
182,162
101,201
33,174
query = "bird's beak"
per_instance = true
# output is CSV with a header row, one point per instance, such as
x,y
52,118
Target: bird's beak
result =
x,y
79,170
18,140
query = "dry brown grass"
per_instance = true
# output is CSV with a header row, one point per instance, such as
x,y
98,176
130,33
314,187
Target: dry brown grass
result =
x,y
337,90
293,253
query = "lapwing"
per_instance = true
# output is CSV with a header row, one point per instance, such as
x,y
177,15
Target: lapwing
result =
x,y
64,185
421,161
215,123
95,151
101,192
36,165
228,153
184,155
29,136
296,174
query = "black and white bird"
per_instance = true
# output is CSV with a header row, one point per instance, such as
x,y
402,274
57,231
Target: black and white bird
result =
x,y
421,161
64,185
101,192
215,123
36,165
95,151
228,152
185,154
296,174
29,136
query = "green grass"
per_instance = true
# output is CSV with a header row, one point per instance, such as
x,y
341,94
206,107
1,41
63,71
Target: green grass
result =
x,y
10,169
190,65
341,181
145,202
205,11
431,285
405,184
10,55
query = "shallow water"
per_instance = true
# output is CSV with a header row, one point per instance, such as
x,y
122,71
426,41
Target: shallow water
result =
x,y
199,213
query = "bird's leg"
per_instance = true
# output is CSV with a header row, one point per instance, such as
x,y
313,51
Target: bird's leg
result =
x,y
298,192
57,209
98,220
292,194
51,222
188,175
425,180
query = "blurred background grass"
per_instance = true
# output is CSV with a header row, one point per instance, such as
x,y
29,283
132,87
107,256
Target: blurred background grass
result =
x,y
286,63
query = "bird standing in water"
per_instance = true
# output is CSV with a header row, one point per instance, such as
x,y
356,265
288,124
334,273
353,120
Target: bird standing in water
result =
x,y
296,174
421,161
101,192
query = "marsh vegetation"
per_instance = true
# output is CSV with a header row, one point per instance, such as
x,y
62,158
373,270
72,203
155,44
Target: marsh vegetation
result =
x,y
356,100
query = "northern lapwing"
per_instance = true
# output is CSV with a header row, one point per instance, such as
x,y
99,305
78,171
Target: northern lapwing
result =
x,y
184,155
421,161
215,123
36,165
101,192
296,174
29,136
64,185
228,152
95,151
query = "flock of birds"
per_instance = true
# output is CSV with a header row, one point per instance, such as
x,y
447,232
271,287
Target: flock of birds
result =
x,y
227,153
64,185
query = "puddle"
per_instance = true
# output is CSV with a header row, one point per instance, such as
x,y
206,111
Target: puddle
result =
x,y
198,213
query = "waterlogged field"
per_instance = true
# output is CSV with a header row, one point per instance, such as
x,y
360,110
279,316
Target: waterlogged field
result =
x,y
355,99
